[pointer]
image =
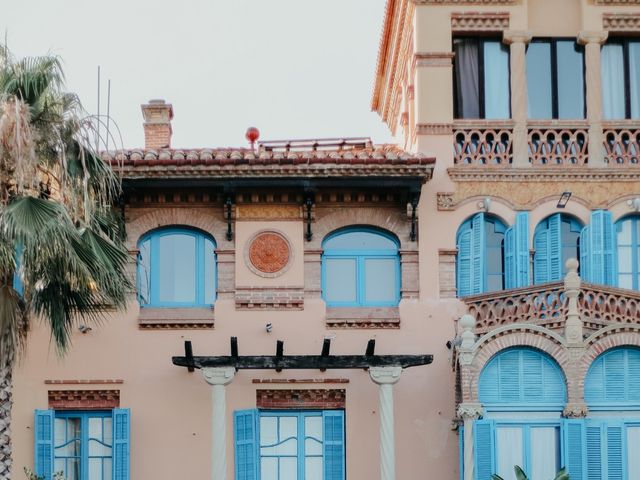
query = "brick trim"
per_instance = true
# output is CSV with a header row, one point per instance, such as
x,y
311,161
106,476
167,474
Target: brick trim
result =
x,y
299,380
83,399
298,398
269,298
363,317
175,318
83,382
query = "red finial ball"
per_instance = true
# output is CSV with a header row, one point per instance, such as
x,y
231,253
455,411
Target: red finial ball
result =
x,y
252,134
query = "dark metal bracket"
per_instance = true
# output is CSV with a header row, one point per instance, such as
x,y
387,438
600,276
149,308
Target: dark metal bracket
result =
x,y
414,205
308,203
228,204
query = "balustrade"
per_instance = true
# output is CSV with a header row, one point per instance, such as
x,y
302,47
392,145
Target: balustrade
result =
x,y
621,145
558,144
485,143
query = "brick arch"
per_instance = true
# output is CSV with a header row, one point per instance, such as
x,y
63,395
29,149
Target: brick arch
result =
x,y
604,341
393,221
514,338
151,219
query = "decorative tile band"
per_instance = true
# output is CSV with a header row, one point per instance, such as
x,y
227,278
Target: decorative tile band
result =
x,y
434,128
621,22
311,399
287,381
269,298
83,399
479,21
83,382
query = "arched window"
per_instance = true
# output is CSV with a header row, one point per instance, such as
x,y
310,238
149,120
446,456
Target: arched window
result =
x,y
176,268
361,267
480,263
523,393
628,252
555,240
612,428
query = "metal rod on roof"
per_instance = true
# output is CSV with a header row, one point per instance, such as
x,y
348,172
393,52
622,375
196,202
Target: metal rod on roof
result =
x,y
108,110
98,135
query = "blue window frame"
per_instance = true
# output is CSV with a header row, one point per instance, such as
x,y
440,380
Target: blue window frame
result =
x,y
613,380
556,239
481,257
83,445
176,268
628,252
291,444
361,268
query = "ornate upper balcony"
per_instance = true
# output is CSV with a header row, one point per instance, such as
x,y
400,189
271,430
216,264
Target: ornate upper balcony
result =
x,y
546,305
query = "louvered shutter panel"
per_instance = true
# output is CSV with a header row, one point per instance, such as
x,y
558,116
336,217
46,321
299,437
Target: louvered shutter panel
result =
x,y
43,462
522,249
615,466
574,449
510,269
510,380
585,254
555,248
541,257
615,370
601,248
247,435
594,451
532,376
121,443
483,449
478,253
333,444
464,264
461,451
633,376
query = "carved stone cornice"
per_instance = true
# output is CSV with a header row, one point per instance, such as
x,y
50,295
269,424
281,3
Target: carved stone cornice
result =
x,y
595,36
575,410
433,59
470,411
617,2
621,22
462,22
466,2
83,399
434,128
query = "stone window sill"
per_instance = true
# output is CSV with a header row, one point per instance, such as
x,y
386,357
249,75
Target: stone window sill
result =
x,y
175,318
363,317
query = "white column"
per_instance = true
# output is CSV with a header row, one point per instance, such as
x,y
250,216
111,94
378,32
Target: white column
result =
x,y
219,378
385,377
469,412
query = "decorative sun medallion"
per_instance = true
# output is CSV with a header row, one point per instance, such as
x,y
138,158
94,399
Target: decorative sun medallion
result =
x,y
269,253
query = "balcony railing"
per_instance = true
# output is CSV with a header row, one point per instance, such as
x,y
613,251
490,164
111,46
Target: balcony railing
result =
x,y
546,305
621,143
482,143
558,143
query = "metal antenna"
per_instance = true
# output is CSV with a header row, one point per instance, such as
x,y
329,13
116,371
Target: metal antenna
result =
x,y
108,110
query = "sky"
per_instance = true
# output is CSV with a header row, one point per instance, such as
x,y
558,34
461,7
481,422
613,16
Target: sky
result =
x,y
292,68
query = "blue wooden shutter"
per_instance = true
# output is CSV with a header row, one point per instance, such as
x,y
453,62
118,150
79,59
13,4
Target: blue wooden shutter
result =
x,y
483,449
541,257
333,444
43,462
522,249
615,457
510,268
478,253
574,449
246,433
121,443
463,276
601,248
594,451
555,248
461,450
585,253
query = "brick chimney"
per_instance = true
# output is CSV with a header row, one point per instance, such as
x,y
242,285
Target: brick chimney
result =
x,y
157,124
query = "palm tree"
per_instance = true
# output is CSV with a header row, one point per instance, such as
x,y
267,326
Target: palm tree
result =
x,y
520,475
62,256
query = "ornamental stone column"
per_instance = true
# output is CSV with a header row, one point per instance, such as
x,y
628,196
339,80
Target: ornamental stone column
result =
x,y
385,377
469,413
219,378
517,41
592,42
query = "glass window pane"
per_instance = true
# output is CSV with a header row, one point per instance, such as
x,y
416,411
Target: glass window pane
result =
x,y
625,280
539,80
209,272
634,78
107,431
340,280
380,280
624,232
570,80
106,469
268,468
466,77
144,272
268,430
625,263
60,429
288,469
509,446
177,268
288,427
545,452
360,241
95,469
612,70
73,469
95,427
313,468
496,80
494,283
633,447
